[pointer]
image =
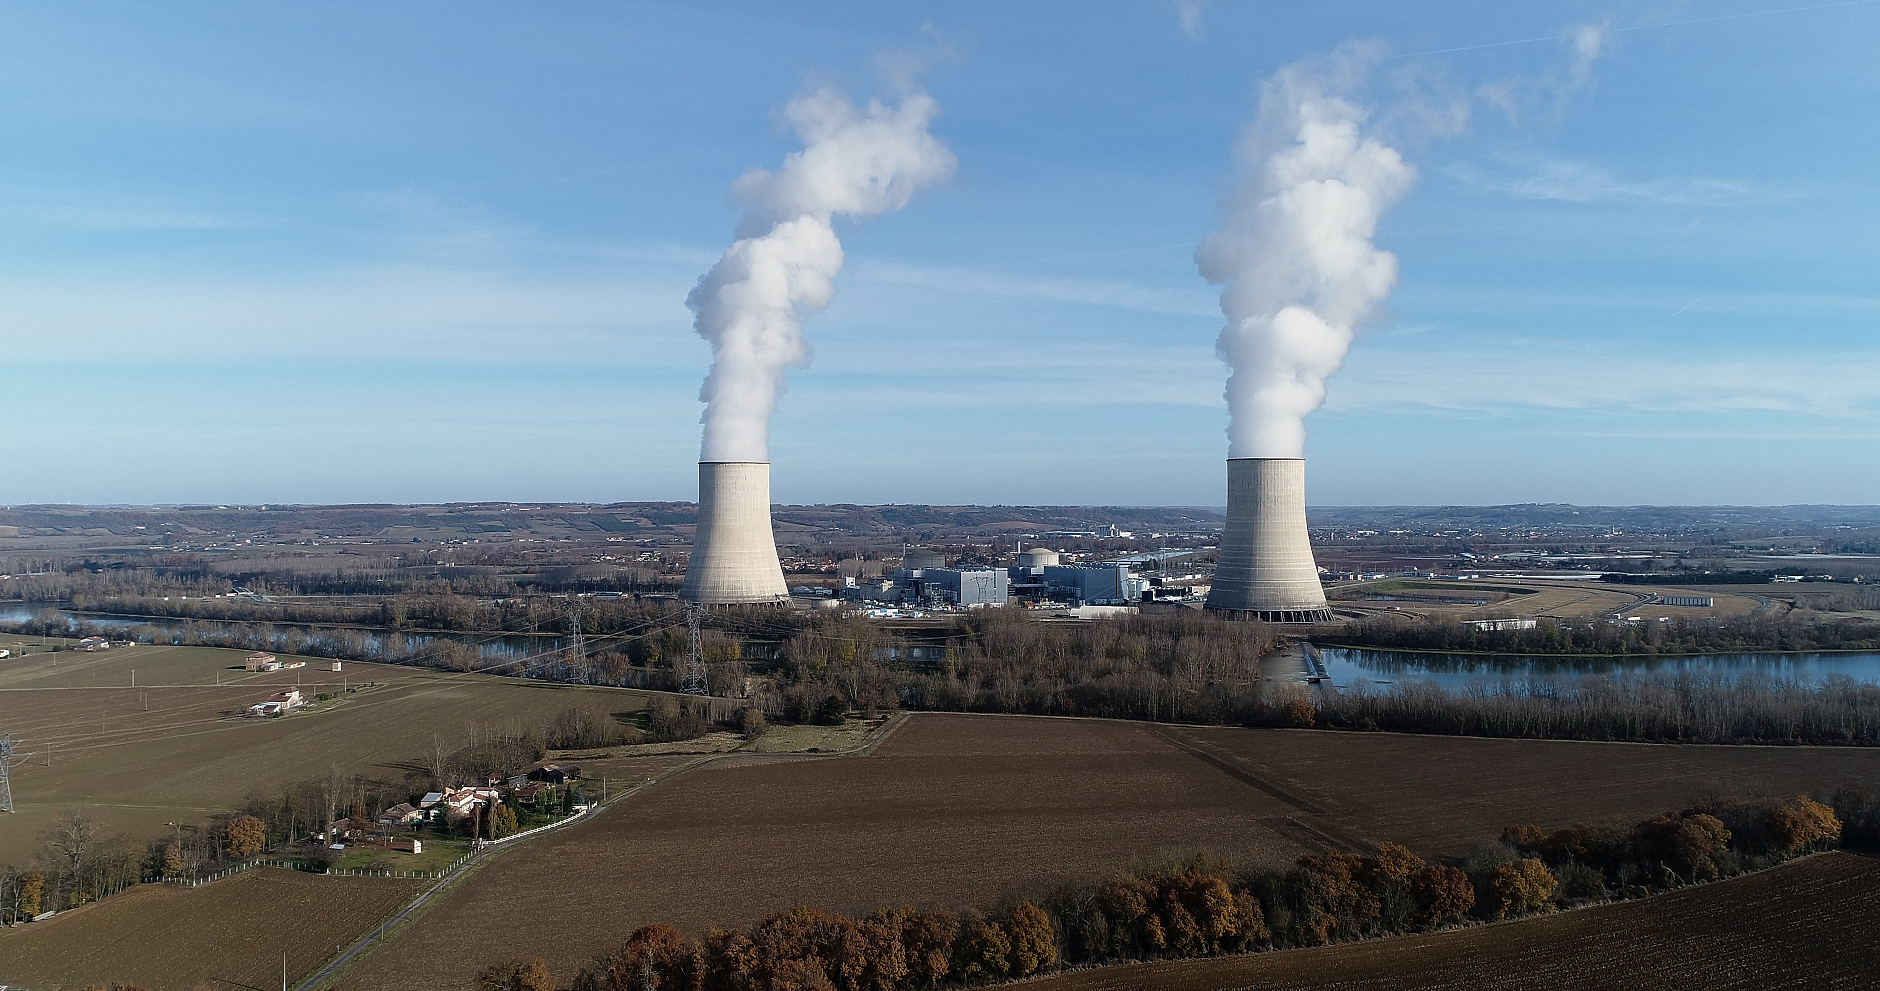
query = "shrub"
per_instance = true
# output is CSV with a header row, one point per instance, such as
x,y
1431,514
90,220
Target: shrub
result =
x,y
1301,714
1802,824
1522,886
985,951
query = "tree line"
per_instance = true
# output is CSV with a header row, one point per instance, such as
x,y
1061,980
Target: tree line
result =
x,y
1685,707
1553,636
1204,908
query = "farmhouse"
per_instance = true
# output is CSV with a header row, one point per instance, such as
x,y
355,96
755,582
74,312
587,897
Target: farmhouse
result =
x,y
92,643
555,774
402,814
277,704
259,661
463,801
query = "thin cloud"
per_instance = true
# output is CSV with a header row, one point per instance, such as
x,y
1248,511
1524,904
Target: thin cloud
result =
x,y
1197,302
1533,177
1188,16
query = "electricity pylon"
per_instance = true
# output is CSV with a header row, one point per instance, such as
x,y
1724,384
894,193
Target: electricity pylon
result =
x,y
692,675
6,784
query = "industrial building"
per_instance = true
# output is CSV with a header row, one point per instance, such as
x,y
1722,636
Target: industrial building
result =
x,y
967,588
1094,584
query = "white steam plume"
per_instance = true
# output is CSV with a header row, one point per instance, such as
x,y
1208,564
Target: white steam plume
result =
x,y
1295,251
857,162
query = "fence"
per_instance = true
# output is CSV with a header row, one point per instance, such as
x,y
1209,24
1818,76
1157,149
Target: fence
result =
x,y
311,868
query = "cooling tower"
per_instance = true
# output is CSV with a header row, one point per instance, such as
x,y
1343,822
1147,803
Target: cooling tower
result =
x,y
1266,569
734,557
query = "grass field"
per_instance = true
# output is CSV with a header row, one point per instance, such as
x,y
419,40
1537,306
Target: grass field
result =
x,y
1807,924
221,935
141,757
963,810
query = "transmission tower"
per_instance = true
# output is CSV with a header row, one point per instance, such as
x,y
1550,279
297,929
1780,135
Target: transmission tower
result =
x,y
577,645
692,675
6,785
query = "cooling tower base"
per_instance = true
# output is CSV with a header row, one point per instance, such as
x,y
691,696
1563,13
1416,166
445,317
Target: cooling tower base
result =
x,y
1278,615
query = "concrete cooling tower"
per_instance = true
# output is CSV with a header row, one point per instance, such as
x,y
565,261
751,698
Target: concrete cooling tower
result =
x,y
734,556
1266,570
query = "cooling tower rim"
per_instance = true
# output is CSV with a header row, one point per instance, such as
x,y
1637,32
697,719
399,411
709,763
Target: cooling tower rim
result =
x,y
734,462
1266,459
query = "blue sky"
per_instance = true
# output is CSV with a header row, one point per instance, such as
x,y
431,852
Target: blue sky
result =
x,y
439,252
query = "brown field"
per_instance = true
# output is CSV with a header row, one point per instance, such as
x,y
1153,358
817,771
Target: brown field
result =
x,y
964,810
1566,600
170,938
181,759
1807,924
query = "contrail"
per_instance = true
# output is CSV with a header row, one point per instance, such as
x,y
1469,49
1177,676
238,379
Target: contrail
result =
x,y
1681,309
1644,27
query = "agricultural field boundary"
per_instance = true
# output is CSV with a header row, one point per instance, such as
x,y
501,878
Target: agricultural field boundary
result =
x,y
1665,930
1319,832
410,912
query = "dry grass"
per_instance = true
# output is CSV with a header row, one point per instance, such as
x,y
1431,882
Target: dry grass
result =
x,y
169,938
965,810
181,759
1808,924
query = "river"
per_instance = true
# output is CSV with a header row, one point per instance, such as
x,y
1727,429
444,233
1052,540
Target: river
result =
x,y
491,647
1384,667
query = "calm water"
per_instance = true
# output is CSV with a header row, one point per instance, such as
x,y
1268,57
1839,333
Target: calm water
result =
x,y
498,648
1381,667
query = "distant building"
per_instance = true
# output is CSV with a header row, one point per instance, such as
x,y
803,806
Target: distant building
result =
x,y
1696,601
966,587
1497,625
337,666
279,703
402,814
259,661
1095,584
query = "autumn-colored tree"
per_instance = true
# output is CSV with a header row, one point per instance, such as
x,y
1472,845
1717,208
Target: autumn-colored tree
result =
x,y
885,935
1200,914
516,976
1444,893
985,951
173,864
1136,930
32,893
1034,940
654,958
360,821
1300,713
1343,905
1522,886
1524,836
928,942
503,822
247,836
1802,824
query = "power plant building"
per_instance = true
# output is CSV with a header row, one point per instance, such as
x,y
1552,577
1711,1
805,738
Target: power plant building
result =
x,y
966,587
734,555
1095,584
1266,570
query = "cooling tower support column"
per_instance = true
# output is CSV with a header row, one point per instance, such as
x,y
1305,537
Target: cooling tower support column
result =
x,y
734,556
1266,570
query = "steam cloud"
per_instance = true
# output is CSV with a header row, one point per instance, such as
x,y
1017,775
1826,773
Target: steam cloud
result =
x,y
1295,251
856,162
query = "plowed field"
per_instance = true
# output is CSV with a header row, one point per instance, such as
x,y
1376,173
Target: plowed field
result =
x,y
1808,924
962,810
219,935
